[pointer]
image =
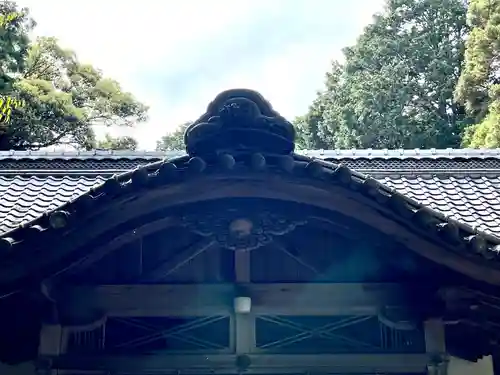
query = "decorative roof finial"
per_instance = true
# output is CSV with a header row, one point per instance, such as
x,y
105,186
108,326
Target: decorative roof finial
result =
x,y
239,120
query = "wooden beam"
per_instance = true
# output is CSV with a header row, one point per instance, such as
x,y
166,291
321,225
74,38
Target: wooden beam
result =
x,y
257,364
217,299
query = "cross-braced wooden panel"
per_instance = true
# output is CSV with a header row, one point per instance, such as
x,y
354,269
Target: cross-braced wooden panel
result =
x,y
274,334
147,335
339,334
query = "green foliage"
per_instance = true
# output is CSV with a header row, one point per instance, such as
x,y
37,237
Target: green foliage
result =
x,y
310,129
14,42
173,141
64,98
5,19
118,143
395,87
7,103
479,84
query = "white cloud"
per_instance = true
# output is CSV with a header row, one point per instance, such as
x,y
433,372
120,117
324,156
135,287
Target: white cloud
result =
x,y
142,44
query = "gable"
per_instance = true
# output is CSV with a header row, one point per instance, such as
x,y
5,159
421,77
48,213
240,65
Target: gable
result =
x,y
242,148
461,184
310,246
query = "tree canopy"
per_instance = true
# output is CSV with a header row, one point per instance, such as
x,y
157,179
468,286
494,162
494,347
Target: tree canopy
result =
x,y
63,97
424,73
479,84
14,42
117,143
395,87
173,141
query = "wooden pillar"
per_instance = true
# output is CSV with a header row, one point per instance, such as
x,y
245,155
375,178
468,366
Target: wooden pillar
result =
x,y
244,324
244,333
53,342
495,363
435,346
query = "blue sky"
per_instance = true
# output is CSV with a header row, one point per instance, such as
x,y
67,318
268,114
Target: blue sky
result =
x,y
176,56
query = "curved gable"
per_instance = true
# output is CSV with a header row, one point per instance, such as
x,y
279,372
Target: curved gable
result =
x,y
241,148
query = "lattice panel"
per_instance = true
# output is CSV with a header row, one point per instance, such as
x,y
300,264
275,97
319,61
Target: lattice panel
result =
x,y
342,334
74,164
149,335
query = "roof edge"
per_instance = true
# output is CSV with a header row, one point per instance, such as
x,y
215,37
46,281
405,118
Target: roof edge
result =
x,y
451,235
322,154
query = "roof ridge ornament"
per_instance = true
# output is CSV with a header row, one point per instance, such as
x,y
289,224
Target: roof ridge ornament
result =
x,y
239,120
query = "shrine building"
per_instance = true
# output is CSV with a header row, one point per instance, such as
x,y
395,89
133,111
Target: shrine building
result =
x,y
242,255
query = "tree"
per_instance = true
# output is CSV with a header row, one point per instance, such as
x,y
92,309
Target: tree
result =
x,y
63,98
395,87
118,143
15,25
173,141
310,132
479,84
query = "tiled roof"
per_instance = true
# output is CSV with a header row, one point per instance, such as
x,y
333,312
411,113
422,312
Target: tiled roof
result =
x,y
24,198
350,154
471,200
92,162
464,184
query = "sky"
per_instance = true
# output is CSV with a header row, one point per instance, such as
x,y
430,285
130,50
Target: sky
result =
x,y
177,55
